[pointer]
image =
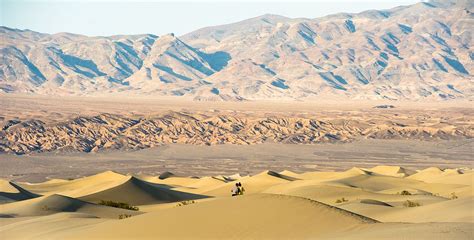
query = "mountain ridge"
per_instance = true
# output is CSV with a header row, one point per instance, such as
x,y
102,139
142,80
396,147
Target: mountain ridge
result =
x,y
106,131
413,52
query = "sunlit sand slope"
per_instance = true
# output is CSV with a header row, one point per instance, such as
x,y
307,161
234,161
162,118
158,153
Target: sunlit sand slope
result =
x,y
256,216
384,202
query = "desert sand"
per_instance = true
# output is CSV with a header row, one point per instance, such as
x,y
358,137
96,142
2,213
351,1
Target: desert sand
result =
x,y
359,203
397,173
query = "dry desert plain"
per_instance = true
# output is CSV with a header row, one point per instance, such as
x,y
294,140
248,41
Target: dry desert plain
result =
x,y
320,170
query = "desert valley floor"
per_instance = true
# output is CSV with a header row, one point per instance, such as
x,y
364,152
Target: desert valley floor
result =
x,y
326,170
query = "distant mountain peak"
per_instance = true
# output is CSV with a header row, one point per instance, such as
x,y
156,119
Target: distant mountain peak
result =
x,y
272,18
415,52
469,4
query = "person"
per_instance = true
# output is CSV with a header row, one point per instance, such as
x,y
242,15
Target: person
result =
x,y
241,189
235,190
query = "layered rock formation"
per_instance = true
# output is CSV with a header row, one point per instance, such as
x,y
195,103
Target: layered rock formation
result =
x,y
107,131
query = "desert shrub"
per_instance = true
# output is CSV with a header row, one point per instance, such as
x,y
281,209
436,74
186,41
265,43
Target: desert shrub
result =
x,y
409,203
184,203
341,200
45,208
454,196
123,216
405,192
118,205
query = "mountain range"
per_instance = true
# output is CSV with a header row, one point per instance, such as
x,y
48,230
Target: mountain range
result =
x,y
414,52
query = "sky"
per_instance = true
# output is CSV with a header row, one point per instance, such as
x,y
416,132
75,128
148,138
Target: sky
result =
x,y
112,17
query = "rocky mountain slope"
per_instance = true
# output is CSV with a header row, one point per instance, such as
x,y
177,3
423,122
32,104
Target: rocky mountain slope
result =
x,y
420,51
113,131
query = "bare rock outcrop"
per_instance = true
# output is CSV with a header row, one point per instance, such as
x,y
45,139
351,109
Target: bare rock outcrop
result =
x,y
108,132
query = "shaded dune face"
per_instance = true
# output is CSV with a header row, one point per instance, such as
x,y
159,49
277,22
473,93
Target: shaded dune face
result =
x,y
375,202
10,191
280,175
111,186
78,187
138,192
53,204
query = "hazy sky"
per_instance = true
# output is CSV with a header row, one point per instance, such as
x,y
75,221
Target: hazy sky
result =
x,y
109,17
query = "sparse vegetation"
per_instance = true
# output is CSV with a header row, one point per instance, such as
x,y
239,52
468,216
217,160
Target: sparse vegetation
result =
x,y
453,195
341,200
45,208
405,192
118,205
184,203
409,203
123,216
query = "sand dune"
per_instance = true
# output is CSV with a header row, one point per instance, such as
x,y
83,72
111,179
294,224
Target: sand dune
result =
x,y
207,182
289,173
373,182
57,204
78,187
375,202
46,226
429,174
423,231
333,194
394,171
393,185
457,210
6,186
252,184
137,192
10,192
454,178
257,216
354,204
55,180
174,181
